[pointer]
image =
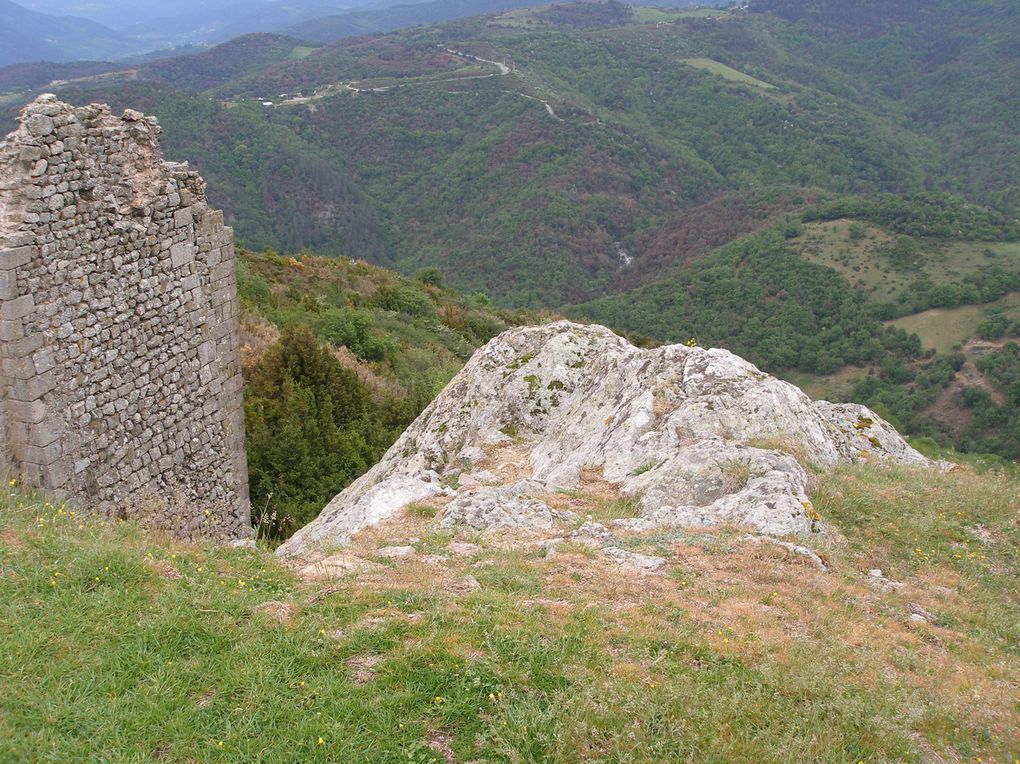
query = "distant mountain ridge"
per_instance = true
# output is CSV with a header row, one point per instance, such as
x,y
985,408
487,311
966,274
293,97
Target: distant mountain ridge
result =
x,y
337,27
32,36
29,36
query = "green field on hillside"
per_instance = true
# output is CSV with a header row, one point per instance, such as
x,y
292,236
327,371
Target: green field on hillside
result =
x,y
727,72
651,15
301,51
943,329
859,252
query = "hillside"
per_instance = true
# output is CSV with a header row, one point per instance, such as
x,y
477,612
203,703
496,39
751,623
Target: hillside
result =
x,y
29,36
656,147
671,173
338,358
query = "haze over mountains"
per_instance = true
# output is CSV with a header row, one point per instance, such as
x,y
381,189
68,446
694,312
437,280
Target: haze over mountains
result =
x,y
69,31
61,30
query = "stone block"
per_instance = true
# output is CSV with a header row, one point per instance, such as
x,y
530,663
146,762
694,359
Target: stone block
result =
x,y
18,368
39,125
17,257
34,388
24,345
44,360
29,412
17,308
11,330
183,217
56,475
182,254
8,285
40,456
45,432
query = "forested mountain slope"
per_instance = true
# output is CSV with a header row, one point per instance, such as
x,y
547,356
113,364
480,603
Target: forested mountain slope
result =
x,y
610,161
657,140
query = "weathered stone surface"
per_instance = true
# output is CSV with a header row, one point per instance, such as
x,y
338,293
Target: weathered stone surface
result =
x,y
699,436
338,566
789,546
369,503
500,509
639,563
462,548
466,585
396,552
115,392
592,534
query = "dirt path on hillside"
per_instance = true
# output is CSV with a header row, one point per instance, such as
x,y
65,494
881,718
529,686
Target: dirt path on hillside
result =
x,y
334,88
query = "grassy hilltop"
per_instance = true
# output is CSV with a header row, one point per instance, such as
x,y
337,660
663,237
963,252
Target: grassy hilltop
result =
x,y
117,646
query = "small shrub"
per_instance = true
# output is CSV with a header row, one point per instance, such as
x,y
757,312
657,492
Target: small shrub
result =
x,y
736,473
419,509
641,470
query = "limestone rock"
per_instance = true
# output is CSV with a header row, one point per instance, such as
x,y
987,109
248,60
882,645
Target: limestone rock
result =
x,y
641,563
500,509
699,436
396,552
466,585
462,548
592,534
338,566
633,524
797,549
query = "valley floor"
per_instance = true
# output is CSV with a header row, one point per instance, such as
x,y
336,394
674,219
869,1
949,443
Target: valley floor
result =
x,y
117,646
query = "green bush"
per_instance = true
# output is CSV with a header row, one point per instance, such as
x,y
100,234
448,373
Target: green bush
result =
x,y
311,429
404,299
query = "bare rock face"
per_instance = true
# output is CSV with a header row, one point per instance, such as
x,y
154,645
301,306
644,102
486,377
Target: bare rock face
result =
x,y
698,436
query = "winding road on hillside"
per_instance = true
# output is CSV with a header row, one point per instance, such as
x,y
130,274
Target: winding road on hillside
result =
x,y
502,69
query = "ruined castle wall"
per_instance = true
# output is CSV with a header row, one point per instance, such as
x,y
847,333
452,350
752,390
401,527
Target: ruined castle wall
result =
x,y
120,384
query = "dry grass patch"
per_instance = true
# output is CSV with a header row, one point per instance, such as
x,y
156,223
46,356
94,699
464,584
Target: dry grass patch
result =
x,y
278,612
11,540
509,460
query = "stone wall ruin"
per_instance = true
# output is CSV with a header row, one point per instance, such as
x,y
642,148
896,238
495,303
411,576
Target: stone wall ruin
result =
x,y
120,383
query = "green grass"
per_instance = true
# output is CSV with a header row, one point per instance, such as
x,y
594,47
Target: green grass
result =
x,y
960,528
864,265
837,386
649,15
116,646
301,51
726,72
942,329
976,461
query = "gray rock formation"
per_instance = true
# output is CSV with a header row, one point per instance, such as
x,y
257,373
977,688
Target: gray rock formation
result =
x,y
121,382
501,509
698,437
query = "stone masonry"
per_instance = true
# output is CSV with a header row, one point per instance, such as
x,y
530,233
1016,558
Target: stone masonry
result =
x,y
120,388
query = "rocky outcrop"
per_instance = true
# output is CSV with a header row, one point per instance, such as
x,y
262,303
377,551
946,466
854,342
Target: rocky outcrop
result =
x,y
696,436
